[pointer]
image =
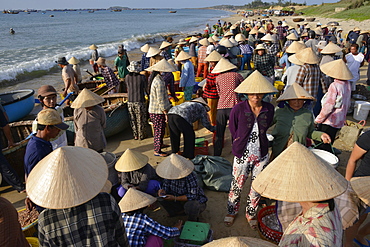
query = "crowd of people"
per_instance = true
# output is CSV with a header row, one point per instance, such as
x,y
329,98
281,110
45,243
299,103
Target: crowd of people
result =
x,y
237,62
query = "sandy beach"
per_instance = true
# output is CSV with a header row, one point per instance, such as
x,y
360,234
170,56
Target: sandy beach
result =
x,y
216,206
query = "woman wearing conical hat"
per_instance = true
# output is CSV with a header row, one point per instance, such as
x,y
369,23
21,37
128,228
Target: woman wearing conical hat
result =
x,y
159,104
187,80
140,228
248,123
297,175
89,121
136,173
293,121
245,50
94,57
76,67
336,101
264,62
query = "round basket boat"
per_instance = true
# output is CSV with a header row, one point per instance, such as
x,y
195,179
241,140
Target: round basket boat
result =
x,y
310,19
298,19
326,157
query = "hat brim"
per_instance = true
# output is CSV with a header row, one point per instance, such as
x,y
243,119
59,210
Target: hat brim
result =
x,y
62,126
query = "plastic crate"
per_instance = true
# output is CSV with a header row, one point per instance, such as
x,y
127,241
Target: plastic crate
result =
x,y
264,231
203,150
194,234
176,75
180,96
279,85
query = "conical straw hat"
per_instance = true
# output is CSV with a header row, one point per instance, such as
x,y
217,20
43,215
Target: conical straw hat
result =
x,y
135,199
93,47
297,175
153,51
256,83
107,187
193,39
240,37
356,29
200,100
239,242
214,56
175,167
210,40
215,38
131,161
295,91
223,65
86,99
145,48
233,41
337,69
162,66
307,56
260,47
164,45
292,36
305,34
67,177
253,31
227,43
228,34
331,48
295,60
204,42
73,60
267,37
182,56
261,30
361,186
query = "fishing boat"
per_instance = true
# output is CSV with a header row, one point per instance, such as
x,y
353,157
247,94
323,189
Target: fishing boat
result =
x,y
115,108
18,103
172,11
15,154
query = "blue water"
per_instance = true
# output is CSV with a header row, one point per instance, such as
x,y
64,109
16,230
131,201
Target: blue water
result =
x,y
40,39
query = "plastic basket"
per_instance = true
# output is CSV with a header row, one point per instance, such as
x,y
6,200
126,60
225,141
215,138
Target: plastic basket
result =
x,y
184,243
266,232
30,229
279,85
34,242
176,75
180,96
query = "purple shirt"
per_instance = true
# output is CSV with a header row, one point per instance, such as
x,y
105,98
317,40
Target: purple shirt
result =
x,y
241,124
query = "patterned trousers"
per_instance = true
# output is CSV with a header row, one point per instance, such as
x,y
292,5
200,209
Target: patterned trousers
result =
x,y
241,169
137,113
159,126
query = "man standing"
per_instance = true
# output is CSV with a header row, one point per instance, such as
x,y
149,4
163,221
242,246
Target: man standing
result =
x,y
281,32
226,82
69,78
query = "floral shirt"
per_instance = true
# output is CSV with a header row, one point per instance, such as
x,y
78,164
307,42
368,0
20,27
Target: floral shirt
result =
x,y
335,104
318,227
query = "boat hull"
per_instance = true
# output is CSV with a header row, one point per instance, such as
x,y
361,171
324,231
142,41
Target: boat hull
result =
x,y
18,104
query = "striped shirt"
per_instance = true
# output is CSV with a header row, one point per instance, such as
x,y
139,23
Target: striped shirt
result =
x,y
210,90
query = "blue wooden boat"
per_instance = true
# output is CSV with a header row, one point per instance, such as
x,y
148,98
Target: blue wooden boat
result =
x,y
18,103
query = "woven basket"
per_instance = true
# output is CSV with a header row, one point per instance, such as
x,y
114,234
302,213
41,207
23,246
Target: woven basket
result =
x,y
264,231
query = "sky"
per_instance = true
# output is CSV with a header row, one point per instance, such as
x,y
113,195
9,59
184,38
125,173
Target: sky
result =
x,y
76,4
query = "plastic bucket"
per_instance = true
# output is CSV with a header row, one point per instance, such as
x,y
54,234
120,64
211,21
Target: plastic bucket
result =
x,y
327,157
110,159
361,110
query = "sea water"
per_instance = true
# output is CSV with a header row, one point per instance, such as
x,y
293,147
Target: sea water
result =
x,y
40,39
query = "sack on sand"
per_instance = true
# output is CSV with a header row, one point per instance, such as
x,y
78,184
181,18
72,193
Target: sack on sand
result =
x,y
215,172
349,133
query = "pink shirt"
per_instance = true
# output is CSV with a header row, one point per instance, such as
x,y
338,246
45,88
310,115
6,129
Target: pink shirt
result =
x,y
335,104
226,84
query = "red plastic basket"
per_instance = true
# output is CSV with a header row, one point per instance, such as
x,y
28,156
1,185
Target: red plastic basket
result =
x,y
201,150
266,232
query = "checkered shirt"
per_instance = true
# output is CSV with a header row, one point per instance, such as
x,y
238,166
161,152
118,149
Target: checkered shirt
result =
x,y
97,222
185,186
139,226
158,102
264,64
145,62
202,54
109,77
245,49
280,31
310,77
271,49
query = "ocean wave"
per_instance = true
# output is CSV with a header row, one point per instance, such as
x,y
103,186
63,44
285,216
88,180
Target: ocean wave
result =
x,y
39,66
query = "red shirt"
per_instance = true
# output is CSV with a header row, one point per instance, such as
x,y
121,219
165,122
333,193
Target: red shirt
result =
x,y
226,84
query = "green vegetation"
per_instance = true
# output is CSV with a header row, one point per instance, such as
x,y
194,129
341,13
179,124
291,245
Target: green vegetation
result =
x,y
358,10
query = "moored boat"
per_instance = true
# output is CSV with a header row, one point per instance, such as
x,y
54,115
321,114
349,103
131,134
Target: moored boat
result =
x,y
18,103
15,154
172,11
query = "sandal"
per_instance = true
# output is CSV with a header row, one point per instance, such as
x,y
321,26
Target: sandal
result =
x,y
161,154
229,220
253,224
